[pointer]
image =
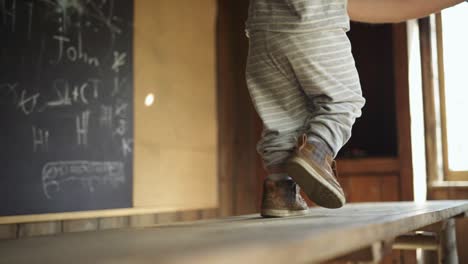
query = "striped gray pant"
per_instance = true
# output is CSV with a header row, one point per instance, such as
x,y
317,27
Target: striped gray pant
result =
x,y
302,83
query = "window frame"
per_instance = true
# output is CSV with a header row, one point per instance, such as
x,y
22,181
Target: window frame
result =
x,y
448,175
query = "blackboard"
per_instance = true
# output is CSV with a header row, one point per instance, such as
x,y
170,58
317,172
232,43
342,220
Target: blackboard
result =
x,y
66,105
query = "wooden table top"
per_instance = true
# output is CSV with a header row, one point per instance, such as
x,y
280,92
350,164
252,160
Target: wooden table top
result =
x,y
321,235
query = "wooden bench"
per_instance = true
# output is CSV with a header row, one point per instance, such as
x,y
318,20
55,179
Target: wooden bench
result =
x,y
320,236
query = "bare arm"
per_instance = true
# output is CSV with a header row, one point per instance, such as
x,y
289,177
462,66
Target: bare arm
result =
x,y
392,11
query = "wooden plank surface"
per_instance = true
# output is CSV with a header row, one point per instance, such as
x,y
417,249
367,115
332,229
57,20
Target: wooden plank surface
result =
x,y
321,235
372,166
16,219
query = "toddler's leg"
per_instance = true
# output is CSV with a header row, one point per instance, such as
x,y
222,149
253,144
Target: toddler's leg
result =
x,y
282,106
278,100
325,68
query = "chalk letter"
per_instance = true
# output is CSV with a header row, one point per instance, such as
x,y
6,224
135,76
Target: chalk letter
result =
x,y
61,40
40,139
82,128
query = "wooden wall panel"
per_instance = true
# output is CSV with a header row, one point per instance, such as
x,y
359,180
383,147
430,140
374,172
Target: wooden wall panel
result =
x,y
371,188
364,189
462,238
175,138
39,229
239,181
389,185
191,215
82,225
8,231
113,222
400,64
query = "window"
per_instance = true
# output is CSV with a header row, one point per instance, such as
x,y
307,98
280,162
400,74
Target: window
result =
x,y
452,51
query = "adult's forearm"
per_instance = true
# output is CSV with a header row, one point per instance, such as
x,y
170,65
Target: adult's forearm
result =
x,y
392,11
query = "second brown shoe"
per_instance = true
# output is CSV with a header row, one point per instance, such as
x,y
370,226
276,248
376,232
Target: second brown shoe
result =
x,y
315,171
282,198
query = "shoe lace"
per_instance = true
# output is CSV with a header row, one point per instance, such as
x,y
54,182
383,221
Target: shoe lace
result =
x,y
293,187
301,142
334,168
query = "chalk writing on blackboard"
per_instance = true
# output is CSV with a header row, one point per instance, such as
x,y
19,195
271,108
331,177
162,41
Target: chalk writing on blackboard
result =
x,y
40,139
66,99
84,172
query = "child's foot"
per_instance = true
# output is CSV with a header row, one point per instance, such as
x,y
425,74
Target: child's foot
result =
x,y
314,170
282,198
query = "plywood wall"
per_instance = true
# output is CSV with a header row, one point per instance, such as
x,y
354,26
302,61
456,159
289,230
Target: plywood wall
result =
x,y
176,137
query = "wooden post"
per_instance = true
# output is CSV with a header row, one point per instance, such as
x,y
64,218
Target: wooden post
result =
x,y
448,250
447,243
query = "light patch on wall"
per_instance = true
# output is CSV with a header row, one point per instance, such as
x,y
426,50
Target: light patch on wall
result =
x,y
417,113
149,99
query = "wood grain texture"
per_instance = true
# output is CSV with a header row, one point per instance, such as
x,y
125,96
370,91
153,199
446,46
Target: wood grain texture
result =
x,y
191,215
454,192
462,239
400,64
176,138
8,231
167,218
88,214
442,92
247,239
429,104
373,166
209,213
364,189
39,229
143,220
113,222
237,118
225,93
375,253
80,225
371,188
413,241
448,254
389,188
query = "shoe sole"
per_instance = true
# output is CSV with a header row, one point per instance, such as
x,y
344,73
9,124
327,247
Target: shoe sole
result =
x,y
282,212
314,185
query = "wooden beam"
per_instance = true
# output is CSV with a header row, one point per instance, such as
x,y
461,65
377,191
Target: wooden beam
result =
x,y
445,231
419,240
372,254
448,254
462,215
236,115
430,117
400,49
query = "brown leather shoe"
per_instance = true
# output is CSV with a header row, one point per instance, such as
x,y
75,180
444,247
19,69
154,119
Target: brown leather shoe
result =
x,y
315,171
282,198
